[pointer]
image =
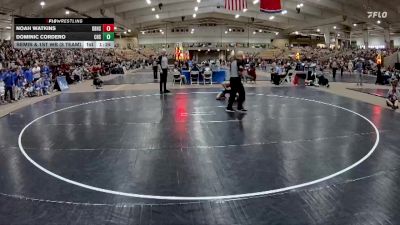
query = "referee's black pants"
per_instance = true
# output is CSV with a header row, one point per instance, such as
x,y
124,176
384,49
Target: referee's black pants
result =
x,y
236,87
163,80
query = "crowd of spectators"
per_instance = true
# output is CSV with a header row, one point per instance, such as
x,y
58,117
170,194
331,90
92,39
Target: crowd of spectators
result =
x,y
33,72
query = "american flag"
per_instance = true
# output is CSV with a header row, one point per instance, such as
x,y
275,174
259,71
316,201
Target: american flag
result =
x,y
235,5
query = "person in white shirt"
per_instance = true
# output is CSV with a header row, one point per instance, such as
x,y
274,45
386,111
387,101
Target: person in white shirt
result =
x,y
163,62
2,91
36,72
77,74
350,67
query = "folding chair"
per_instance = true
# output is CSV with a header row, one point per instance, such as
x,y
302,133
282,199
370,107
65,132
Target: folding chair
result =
x,y
207,75
194,75
177,77
286,78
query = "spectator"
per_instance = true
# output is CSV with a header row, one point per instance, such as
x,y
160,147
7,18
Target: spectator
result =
x,y
155,68
9,82
334,67
251,73
350,67
36,72
393,96
359,68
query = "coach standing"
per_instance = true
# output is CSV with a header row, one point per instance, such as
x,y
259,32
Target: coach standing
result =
x,y
163,62
237,66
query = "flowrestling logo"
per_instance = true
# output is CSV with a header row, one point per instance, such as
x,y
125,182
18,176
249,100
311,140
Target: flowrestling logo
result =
x,y
380,15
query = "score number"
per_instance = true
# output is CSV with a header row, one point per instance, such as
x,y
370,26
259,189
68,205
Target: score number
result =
x,y
108,27
108,36
108,32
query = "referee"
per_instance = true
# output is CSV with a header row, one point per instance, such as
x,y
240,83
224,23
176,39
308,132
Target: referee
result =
x,y
236,70
163,62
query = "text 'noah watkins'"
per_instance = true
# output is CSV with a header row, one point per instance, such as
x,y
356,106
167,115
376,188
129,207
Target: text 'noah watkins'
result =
x,y
35,28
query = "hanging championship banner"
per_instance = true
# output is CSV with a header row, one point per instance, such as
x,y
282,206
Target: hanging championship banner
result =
x,y
270,6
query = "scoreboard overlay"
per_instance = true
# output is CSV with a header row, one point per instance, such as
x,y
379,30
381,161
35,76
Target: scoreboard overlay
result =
x,y
63,33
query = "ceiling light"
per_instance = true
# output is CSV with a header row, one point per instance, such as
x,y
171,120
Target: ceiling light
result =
x,y
254,32
218,50
296,32
194,15
260,30
230,29
284,12
198,1
157,16
256,1
192,29
153,9
161,31
129,30
228,50
237,16
42,3
318,30
208,49
148,2
124,32
355,24
276,33
66,12
8,28
379,22
198,49
143,32
271,17
338,35
226,32
301,5
245,10
196,8
334,27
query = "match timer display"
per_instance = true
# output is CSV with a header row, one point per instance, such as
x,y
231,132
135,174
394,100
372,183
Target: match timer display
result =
x,y
63,33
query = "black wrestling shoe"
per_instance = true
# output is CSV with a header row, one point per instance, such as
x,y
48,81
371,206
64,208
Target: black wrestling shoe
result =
x,y
242,110
167,91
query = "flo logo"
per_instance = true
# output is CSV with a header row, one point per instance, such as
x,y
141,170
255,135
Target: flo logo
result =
x,y
380,15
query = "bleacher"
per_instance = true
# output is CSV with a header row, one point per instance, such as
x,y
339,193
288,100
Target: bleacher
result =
x,y
271,54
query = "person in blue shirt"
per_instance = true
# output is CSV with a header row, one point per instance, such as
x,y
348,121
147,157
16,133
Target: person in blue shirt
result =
x,y
46,85
28,75
46,70
20,87
9,82
37,87
195,68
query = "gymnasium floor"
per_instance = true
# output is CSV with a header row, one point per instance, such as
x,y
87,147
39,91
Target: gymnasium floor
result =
x,y
299,156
